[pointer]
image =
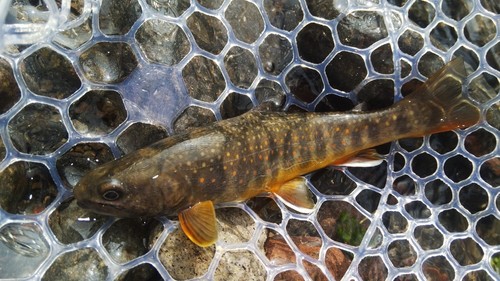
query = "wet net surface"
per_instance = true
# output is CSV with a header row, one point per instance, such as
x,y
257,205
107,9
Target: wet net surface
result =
x,y
82,83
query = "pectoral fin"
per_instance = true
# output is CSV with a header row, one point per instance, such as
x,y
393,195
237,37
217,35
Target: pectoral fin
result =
x,y
295,194
199,223
364,158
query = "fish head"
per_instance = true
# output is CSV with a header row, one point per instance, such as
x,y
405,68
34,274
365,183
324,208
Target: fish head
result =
x,y
127,188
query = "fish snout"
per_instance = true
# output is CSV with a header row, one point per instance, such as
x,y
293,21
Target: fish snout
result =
x,y
81,194
84,204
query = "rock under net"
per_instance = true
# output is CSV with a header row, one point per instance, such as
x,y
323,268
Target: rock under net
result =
x,y
84,82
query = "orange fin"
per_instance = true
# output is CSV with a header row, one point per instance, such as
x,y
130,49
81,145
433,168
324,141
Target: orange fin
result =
x,y
199,223
363,158
295,194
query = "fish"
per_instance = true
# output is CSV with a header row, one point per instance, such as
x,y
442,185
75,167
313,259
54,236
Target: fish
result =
x,y
264,151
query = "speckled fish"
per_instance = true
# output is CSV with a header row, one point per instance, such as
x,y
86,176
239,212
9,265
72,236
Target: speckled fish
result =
x,y
262,151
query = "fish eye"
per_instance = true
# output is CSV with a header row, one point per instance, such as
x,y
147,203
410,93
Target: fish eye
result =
x,y
111,195
111,190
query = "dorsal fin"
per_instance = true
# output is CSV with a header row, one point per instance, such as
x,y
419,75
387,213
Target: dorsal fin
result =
x,y
268,106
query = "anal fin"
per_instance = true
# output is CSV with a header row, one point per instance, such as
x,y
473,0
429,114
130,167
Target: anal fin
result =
x,y
365,158
199,223
296,195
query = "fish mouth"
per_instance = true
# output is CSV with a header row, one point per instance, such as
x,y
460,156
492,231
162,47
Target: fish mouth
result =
x,y
103,208
113,210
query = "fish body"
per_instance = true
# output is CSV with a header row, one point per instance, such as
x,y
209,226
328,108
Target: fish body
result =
x,y
261,151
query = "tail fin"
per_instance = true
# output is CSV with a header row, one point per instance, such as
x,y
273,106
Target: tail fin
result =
x,y
444,91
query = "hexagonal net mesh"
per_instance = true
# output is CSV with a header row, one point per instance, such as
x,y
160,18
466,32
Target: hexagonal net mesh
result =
x,y
84,82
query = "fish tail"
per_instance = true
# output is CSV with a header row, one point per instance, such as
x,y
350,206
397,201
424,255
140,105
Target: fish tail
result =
x,y
441,99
